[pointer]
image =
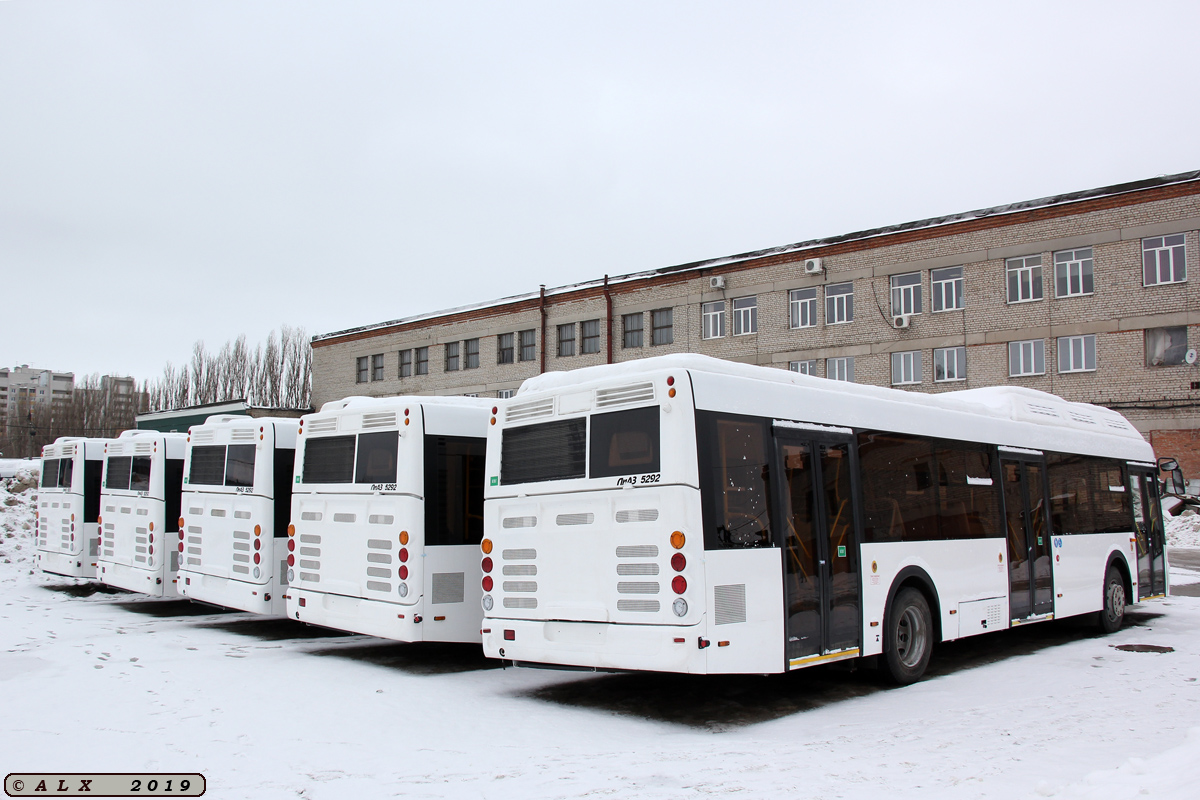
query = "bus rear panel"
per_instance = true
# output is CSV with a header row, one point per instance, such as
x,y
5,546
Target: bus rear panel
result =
x,y
68,536
387,516
232,540
139,513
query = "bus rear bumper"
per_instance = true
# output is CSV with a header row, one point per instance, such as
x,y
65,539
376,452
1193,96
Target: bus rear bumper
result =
x,y
597,645
257,598
66,564
150,582
403,623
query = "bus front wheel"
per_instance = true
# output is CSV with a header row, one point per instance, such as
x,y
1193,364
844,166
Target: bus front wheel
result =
x,y
908,637
1113,613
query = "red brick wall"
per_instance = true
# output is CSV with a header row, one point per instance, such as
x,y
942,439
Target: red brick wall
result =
x,y
1182,445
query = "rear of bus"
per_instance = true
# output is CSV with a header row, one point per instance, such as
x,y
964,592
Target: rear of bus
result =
x,y
236,503
593,554
139,512
68,537
386,518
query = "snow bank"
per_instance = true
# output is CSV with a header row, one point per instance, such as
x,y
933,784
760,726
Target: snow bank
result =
x,y
18,502
1184,530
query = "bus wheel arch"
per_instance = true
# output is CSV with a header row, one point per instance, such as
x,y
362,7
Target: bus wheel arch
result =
x,y
912,618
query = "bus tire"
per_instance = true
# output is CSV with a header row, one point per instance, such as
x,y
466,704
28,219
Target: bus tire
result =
x,y
1113,613
908,637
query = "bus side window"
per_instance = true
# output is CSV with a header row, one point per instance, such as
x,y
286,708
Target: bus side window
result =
x,y
454,475
900,501
966,509
734,481
93,471
173,493
285,465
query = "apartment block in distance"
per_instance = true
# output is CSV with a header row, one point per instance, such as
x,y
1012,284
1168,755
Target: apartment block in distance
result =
x,y
1091,295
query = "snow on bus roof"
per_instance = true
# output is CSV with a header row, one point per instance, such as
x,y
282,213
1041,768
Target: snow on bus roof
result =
x,y
360,402
999,402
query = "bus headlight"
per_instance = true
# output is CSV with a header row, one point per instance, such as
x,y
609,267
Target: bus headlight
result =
x,y
403,590
257,572
487,602
291,576
679,606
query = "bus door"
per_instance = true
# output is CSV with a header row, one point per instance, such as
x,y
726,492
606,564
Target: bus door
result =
x,y
1148,529
814,488
1030,576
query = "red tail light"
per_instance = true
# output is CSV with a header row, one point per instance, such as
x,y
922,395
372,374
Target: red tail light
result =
x,y
487,565
487,583
257,558
678,562
403,572
679,584
510,635
181,547
403,554
258,546
291,545
291,560
181,537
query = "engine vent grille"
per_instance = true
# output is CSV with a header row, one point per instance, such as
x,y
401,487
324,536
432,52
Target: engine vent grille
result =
x,y
201,437
519,554
242,435
448,587
576,519
520,522
624,395
638,515
637,605
323,424
379,419
519,412
729,603
520,602
637,551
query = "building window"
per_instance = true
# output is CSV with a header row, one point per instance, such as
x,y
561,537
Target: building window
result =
x,y
802,308
631,325
472,348
422,361
840,369
804,367
451,356
405,363
745,316
1164,260
1077,353
1027,358
947,286
591,336
1166,347
504,348
712,320
906,367
662,330
528,345
566,340
504,394
839,303
1073,272
950,364
362,369
377,367
906,294
1024,279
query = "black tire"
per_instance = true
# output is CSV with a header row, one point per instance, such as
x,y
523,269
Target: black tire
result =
x,y
908,637
1113,613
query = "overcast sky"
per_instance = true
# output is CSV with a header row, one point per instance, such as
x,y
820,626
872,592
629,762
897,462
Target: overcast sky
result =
x,y
173,172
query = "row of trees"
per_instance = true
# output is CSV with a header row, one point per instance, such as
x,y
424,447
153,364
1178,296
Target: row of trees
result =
x,y
277,374
94,408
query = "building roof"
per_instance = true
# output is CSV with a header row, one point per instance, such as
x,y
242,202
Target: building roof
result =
x,y
924,228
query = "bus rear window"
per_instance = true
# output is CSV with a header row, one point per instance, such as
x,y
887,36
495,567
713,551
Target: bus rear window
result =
x,y
376,461
66,471
49,472
329,460
116,474
208,466
624,443
239,465
139,475
548,452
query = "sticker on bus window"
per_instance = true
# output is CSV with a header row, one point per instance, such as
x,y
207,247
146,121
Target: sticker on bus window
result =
x,y
841,551
495,480
297,479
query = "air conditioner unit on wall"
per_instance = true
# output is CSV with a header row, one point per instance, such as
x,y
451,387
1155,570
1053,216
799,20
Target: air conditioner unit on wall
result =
x,y
900,321
716,282
812,266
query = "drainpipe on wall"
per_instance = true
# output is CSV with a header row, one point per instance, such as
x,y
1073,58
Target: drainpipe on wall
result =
x,y
608,317
542,343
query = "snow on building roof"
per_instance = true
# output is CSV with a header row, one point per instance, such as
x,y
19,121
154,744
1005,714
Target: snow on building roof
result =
x,y
797,248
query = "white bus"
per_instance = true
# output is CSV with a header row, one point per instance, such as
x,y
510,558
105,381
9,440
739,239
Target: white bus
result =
x,y
68,537
694,515
387,517
237,498
139,512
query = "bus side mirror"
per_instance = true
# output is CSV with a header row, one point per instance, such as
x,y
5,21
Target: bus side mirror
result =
x,y
1175,482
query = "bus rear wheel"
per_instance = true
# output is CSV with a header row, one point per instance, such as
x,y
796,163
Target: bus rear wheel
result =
x,y
1113,613
908,637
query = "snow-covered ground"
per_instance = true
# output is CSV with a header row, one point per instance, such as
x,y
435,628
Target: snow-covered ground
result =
x,y
92,681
